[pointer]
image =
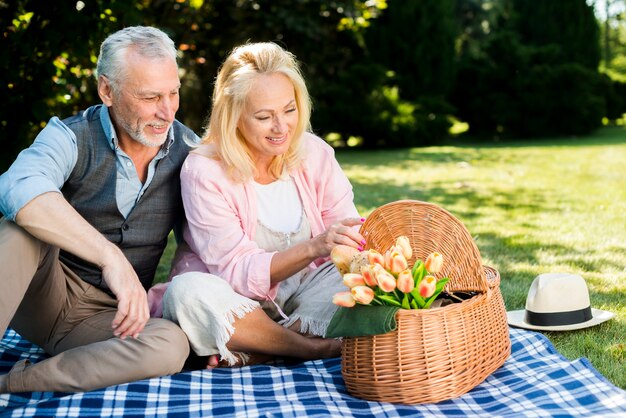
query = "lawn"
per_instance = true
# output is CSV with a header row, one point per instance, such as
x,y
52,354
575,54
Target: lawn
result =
x,y
532,207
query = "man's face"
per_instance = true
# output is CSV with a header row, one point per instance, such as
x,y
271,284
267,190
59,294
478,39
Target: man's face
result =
x,y
144,107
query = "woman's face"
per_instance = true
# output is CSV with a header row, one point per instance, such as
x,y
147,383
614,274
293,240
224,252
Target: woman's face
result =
x,y
269,118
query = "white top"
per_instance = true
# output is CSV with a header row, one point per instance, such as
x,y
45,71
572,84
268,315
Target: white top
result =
x,y
278,205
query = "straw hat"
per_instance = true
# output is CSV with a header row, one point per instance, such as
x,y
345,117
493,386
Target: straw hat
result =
x,y
558,302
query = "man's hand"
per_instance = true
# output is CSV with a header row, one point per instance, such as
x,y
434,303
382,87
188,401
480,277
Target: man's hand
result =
x,y
132,309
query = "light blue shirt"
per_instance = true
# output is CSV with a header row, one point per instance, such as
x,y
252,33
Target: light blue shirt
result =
x,y
47,164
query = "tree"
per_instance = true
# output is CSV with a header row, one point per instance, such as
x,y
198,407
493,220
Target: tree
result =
x,y
537,75
611,14
48,50
38,75
415,40
411,48
571,26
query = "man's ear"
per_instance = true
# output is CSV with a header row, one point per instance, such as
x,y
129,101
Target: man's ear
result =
x,y
105,91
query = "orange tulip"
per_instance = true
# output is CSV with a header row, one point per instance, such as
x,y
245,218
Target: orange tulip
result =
x,y
353,279
397,261
374,257
384,279
362,294
387,257
403,243
368,275
344,299
405,281
433,263
427,286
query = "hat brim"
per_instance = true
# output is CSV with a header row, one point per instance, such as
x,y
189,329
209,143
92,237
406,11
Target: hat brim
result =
x,y
516,319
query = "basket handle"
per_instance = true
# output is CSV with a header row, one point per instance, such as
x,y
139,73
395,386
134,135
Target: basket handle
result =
x,y
430,228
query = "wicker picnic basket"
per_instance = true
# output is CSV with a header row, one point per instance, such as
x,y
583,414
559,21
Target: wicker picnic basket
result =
x,y
439,353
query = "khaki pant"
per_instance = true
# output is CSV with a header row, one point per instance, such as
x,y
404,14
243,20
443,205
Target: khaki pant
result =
x,y
49,305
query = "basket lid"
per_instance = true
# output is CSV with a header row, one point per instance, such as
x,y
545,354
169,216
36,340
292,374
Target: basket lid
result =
x,y
429,228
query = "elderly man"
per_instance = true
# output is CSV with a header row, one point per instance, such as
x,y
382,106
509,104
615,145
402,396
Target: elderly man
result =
x,y
88,208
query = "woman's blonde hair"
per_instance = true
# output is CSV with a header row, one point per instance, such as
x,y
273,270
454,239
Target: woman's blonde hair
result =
x,y
233,83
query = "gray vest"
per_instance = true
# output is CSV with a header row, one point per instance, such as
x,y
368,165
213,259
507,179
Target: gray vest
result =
x,y
90,189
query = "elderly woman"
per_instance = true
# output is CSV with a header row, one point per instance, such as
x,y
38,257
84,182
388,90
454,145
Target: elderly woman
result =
x,y
265,202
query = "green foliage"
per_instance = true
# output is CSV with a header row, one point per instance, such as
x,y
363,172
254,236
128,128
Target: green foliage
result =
x,y
48,51
477,21
614,92
410,61
37,79
533,82
559,100
423,121
570,25
390,73
415,40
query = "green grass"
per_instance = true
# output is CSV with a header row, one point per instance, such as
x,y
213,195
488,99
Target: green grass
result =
x,y
532,207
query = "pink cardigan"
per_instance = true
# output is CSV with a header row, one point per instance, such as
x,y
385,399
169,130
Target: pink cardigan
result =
x,y
222,218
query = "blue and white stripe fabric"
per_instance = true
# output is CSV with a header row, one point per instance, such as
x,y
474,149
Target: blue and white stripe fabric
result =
x,y
536,381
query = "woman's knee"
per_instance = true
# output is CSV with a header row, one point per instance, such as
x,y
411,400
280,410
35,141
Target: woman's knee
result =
x,y
189,284
188,288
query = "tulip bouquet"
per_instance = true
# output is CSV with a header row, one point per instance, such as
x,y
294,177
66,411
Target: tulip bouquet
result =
x,y
377,279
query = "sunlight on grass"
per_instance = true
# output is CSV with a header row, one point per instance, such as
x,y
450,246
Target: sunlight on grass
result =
x,y
532,207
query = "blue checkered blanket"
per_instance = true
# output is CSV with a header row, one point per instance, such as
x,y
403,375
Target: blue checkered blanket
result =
x,y
536,381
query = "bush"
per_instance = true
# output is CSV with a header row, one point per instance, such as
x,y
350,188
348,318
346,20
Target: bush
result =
x,y
412,124
384,119
413,44
559,100
614,96
485,94
515,90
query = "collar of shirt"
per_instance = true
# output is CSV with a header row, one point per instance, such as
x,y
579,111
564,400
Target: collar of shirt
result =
x,y
128,187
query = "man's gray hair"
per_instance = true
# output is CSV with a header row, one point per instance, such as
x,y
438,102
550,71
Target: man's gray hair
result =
x,y
148,41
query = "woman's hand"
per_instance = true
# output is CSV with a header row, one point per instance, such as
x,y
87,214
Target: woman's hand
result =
x,y
342,233
290,261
